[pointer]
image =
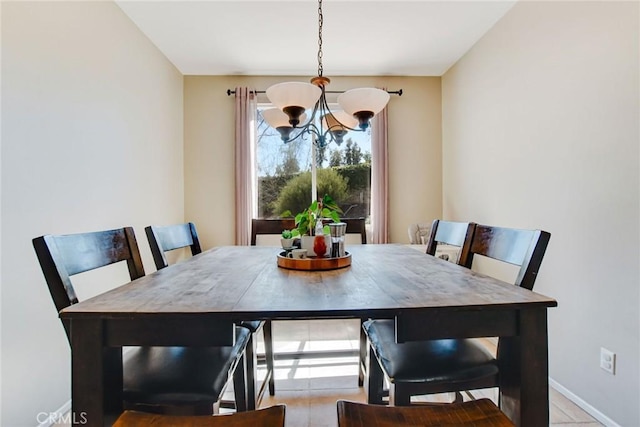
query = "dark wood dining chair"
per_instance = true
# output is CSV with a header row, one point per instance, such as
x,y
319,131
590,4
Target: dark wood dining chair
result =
x,y
439,366
441,232
264,227
273,416
167,238
170,380
356,226
450,233
476,413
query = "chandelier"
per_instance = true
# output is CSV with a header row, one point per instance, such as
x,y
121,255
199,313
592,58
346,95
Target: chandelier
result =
x,y
292,99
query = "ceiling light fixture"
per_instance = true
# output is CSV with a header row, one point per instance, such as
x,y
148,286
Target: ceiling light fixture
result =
x,y
292,99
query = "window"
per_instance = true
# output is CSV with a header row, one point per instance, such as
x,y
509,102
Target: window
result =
x,y
284,172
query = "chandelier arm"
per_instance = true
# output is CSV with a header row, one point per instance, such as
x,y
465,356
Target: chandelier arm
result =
x,y
310,129
340,124
292,139
312,116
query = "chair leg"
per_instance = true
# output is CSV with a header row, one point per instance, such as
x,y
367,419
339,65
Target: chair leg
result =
x,y
398,395
375,380
363,356
250,374
268,350
240,385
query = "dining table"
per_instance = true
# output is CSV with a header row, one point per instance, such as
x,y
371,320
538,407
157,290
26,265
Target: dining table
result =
x,y
197,301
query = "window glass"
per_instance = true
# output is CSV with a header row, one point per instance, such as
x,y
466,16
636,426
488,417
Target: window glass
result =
x,y
284,172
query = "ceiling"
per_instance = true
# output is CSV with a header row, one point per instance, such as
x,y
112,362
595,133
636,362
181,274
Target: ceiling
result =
x,y
396,38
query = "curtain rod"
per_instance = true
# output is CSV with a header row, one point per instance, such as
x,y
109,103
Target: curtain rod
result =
x,y
391,92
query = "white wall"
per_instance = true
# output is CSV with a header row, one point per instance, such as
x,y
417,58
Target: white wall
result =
x,y
415,181
540,130
92,135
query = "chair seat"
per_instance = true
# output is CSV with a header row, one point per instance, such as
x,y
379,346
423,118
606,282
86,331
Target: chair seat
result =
x,y
175,376
432,362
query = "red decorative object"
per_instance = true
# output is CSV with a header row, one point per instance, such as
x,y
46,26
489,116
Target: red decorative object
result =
x,y
319,246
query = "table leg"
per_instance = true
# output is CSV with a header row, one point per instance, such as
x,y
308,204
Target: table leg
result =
x,y
362,368
524,371
251,364
96,373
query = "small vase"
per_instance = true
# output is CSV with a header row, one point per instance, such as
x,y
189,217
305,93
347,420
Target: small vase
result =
x,y
286,243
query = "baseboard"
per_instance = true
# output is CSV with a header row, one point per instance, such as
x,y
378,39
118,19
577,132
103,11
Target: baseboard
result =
x,y
57,416
62,414
582,404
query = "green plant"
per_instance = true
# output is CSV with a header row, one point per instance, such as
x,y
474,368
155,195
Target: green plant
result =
x,y
294,196
287,234
307,219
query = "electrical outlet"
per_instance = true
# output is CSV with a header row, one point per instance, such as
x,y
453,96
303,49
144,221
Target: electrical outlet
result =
x,y
608,360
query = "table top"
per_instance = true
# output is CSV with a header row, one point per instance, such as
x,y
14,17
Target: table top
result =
x,y
244,282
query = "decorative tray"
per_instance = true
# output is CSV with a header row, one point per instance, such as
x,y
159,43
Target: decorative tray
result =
x,y
313,263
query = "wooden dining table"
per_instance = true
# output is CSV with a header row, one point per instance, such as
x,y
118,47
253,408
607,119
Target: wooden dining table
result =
x,y
197,301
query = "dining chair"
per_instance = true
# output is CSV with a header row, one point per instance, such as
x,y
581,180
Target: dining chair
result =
x,y
266,227
450,233
167,238
273,416
355,226
451,365
441,232
170,380
476,413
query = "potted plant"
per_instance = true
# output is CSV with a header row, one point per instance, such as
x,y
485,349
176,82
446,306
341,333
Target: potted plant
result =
x,y
287,239
307,220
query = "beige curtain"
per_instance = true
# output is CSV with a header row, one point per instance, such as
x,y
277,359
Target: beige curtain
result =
x,y
246,106
379,178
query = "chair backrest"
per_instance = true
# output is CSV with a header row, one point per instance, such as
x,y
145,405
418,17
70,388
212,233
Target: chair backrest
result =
x,y
261,227
480,412
356,226
273,416
451,233
63,256
275,227
169,237
523,248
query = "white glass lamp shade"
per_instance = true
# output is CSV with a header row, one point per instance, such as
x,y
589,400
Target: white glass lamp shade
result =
x,y
293,94
338,125
363,99
280,122
363,103
276,118
339,117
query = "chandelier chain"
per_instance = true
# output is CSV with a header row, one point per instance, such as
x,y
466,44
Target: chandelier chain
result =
x,y
320,21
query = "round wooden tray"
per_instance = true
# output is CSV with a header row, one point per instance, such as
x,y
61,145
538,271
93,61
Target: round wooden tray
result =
x,y
313,263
